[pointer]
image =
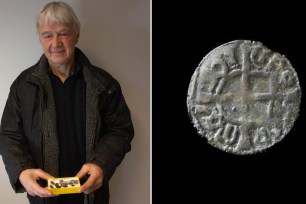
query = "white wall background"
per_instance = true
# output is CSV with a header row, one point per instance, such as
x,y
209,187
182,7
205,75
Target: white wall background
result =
x,y
115,34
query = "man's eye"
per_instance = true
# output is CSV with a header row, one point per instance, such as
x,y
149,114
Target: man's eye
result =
x,y
46,36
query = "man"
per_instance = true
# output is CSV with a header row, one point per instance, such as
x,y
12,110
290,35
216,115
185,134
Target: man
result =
x,y
64,117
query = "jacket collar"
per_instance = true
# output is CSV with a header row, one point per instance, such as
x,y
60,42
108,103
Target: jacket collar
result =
x,y
40,74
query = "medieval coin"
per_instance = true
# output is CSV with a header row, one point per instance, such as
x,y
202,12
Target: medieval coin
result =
x,y
243,97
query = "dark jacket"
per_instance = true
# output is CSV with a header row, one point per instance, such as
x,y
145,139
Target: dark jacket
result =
x,y
28,136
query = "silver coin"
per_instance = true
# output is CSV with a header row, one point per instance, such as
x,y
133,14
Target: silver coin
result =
x,y
243,97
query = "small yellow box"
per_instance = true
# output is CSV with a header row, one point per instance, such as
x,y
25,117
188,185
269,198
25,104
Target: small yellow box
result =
x,y
64,185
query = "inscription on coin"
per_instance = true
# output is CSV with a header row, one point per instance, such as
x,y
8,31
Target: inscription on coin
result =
x,y
243,97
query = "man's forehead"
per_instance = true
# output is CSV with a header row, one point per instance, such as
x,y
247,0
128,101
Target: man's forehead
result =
x,y
54,27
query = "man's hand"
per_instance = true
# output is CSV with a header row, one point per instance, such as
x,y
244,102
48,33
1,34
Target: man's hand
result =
x,y
29,177
95,179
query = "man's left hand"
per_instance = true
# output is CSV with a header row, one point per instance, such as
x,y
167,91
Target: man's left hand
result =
x,y
94,180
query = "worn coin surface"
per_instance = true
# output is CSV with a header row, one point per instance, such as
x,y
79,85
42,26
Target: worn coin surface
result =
x,y
243,97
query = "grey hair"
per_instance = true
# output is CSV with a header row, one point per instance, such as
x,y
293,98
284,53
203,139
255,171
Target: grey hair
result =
x,y
58,12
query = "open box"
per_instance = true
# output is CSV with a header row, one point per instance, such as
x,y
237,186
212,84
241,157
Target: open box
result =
x,y
64,185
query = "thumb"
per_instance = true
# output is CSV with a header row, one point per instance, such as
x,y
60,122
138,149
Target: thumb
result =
x,y
43,175
84,170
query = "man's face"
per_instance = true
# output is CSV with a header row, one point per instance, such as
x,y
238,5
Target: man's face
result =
x,y
58,42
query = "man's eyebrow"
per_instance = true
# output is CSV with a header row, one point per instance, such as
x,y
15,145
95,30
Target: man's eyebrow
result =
x,y
46,32
64,30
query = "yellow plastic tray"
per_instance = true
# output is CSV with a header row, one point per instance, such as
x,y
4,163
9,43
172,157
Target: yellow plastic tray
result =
x,y
64,185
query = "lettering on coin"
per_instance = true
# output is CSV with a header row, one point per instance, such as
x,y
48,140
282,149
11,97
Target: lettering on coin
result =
x,y
243,97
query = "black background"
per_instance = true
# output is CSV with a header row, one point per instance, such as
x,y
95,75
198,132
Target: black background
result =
x,y
186,169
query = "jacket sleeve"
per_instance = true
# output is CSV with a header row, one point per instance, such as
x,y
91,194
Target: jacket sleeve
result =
x,y
13,145
116,131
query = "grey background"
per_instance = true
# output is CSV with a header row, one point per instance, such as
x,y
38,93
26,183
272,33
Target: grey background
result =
x,y
115,34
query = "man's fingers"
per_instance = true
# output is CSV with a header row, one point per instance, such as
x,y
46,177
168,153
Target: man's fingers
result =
x,y
41,192
88,185
36,190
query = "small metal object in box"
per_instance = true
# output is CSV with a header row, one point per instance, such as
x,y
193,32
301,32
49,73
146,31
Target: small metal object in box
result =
x,y
64,185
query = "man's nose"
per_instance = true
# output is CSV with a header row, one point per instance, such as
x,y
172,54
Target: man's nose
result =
x,y
57,41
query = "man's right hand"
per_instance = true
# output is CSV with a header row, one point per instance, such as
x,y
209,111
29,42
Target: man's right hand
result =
x,y
29,177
